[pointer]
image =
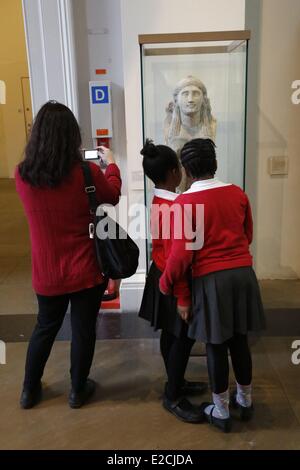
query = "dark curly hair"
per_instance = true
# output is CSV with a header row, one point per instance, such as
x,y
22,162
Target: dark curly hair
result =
x,y
53,146
198,157
158,161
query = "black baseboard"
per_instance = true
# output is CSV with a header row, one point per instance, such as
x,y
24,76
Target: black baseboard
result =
x,y
18,328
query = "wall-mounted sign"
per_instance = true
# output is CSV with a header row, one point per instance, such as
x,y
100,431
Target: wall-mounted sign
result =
x,y
100,105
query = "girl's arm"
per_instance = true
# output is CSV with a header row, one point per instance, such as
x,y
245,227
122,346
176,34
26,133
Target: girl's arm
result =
x,y
174,279
248,224
181,288
108,185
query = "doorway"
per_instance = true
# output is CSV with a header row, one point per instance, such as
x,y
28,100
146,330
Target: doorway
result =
x,y
16,297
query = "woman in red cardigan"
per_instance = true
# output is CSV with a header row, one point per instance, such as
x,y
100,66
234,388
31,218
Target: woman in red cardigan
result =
x,y
51,186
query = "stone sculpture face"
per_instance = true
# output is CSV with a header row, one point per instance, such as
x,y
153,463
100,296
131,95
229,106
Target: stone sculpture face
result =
x,y
190,100
188,116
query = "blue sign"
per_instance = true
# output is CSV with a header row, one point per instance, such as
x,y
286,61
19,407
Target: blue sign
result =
x,y
100,94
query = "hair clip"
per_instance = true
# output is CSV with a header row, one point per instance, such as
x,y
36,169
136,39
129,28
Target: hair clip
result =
x,y
53,101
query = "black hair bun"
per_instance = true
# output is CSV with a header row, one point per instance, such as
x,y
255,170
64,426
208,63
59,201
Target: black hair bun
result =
x,y
149,150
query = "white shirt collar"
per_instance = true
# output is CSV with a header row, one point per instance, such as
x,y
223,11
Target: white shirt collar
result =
x,y
203,185
164,194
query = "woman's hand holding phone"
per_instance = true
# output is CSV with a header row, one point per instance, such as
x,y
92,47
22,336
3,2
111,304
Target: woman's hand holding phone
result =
x,y
106,155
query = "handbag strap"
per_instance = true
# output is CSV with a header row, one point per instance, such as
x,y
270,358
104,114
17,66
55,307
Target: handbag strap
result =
x,y
89,187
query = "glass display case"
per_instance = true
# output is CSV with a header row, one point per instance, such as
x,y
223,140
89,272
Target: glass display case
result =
x,y
194,85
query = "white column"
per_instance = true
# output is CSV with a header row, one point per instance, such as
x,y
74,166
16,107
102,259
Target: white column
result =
x,y
50,49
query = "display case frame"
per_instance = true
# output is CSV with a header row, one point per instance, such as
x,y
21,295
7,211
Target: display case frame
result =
x,y
195,44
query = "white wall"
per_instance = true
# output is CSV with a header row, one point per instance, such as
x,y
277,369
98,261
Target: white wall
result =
x,y
98,45
273,130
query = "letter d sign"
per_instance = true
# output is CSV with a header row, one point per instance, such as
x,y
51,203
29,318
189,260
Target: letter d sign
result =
x,y
100,95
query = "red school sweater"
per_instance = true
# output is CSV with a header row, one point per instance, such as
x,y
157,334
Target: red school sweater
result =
x,y
62,254
227,229
161,231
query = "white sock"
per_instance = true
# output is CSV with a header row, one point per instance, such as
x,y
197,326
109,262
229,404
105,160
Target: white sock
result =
x,y
244,395
220,406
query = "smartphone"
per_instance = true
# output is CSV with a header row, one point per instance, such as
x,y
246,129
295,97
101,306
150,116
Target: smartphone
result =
x,y
91,155
95,155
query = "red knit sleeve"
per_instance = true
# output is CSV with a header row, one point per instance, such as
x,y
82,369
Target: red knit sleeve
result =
x,y
174,279
108,185
248,224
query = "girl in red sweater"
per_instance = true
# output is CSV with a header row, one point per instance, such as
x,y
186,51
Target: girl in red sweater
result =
x,y
51,186
226,298
161,165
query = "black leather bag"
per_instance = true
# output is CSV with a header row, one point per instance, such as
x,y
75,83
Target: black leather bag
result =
x,y
117,253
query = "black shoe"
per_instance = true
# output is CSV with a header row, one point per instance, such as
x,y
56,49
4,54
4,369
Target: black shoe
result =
x,y
246,412
77,399
224,424
30,398
193,388
184,410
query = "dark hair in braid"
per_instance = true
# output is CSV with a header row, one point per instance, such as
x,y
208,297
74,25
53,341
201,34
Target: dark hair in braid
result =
x,y
158,160
198,157
53,147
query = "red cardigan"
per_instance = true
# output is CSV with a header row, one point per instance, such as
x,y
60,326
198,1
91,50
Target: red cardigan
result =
x,y
227,233
63,255
161,239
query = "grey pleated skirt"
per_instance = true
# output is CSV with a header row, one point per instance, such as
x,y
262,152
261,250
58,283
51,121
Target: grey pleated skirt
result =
x,y
226,303
158,309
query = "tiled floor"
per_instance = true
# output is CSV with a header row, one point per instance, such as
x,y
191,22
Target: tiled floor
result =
x,y
126,412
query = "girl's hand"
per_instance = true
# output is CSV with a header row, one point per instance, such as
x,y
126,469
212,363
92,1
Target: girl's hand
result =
x,y
163,293
185,312
106,154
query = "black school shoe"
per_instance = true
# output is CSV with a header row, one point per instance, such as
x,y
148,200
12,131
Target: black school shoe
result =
x,y
78,399
246,412
224,424
184,410
194,388
30,398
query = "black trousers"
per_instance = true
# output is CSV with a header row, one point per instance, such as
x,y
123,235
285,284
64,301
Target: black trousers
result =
x,y
175,352
84,311
218,365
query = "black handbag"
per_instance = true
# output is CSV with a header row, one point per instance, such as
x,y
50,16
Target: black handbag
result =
x,y
117,255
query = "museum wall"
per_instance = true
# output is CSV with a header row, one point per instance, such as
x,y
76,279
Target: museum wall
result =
x,y
13,66
98,45
273,130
